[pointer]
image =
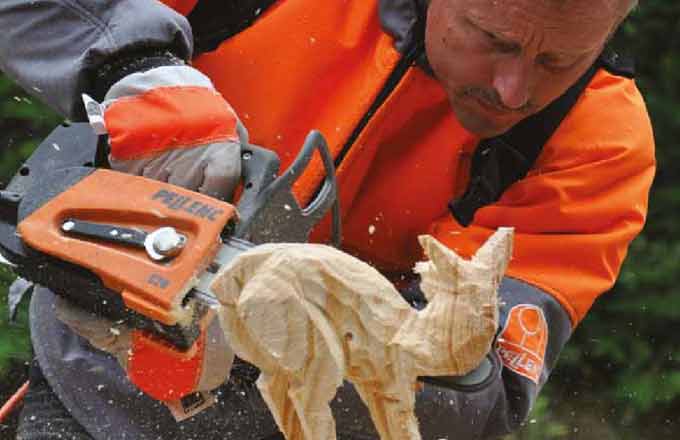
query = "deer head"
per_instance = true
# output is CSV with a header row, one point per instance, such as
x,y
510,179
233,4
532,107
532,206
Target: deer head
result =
x,y
447,272
455,331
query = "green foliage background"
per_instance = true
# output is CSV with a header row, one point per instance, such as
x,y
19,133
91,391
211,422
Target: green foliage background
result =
x,y
619,377
23,122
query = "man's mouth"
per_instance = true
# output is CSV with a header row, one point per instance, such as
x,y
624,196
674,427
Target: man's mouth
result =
x,y
490,107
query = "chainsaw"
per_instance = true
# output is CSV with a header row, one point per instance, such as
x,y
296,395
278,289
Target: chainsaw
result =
x,y
142,251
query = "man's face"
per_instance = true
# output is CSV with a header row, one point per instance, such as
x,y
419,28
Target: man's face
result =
x,y
503,60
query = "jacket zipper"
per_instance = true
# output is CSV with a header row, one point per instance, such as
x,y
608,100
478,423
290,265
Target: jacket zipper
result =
x,y
393,80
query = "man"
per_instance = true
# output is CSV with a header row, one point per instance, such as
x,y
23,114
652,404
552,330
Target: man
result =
x,y
404,90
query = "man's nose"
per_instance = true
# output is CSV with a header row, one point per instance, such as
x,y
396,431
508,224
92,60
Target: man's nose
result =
x,y
512,81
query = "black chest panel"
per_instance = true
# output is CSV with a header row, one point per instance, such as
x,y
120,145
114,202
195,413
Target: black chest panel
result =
x,y
503,160
213,21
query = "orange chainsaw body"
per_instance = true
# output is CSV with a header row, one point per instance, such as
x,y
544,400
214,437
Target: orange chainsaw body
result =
x,y
151,288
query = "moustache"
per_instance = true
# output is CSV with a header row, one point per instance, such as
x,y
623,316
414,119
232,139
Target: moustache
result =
x,y
493,99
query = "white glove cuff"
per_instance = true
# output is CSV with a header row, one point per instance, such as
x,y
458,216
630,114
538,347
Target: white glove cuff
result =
x,y
164,76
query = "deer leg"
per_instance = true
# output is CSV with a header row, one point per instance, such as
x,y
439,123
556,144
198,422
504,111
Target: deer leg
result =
x,y
299,400
274,389
312,391
391,406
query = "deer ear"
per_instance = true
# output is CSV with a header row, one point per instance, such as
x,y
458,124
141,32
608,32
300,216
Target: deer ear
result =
x,y
497,251
443,258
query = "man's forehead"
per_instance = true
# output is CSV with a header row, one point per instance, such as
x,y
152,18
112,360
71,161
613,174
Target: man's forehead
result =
x,y
566,25
623,6
550,10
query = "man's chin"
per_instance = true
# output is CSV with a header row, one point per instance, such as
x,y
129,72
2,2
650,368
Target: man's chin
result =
x,y
482,122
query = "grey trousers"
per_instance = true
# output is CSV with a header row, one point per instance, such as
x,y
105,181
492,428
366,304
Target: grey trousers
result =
x,y
44,417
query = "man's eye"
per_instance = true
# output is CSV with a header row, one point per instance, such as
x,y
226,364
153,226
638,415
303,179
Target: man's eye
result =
x,y
555,64
491,36
499,44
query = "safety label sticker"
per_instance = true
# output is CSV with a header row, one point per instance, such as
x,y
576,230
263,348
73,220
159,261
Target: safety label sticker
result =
x,y
523,341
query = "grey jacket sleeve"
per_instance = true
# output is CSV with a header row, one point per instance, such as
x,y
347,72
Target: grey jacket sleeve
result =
x,y
52,47
497,397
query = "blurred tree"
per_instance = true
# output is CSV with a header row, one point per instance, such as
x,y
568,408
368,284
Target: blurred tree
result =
x,y
23,122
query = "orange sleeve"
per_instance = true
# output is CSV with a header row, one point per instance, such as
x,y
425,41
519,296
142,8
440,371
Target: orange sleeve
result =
x,y
582,204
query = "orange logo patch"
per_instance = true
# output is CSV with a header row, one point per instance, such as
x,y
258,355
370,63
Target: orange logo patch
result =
x,y
523,341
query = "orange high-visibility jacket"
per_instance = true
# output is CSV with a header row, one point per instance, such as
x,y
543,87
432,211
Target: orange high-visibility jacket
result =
x,y
300,67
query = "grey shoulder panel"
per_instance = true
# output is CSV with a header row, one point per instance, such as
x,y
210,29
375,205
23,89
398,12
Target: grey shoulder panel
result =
x,y
50,47
399,18
404,20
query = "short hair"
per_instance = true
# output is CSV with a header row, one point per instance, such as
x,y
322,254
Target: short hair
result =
x,y
626,6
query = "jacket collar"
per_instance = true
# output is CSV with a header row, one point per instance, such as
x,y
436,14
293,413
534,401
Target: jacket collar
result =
x,y
404,20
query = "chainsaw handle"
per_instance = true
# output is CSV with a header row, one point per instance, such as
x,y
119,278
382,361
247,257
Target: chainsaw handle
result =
x,y
327,196
274,214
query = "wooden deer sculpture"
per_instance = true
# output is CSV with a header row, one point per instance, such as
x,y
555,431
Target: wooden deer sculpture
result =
x,y
309,315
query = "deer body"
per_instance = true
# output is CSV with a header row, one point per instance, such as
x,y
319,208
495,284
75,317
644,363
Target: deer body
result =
x,y
310,316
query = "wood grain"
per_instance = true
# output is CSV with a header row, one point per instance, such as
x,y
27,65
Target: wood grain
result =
x,y
309,315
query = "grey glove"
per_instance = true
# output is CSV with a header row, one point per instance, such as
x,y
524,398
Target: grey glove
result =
x,y
169,124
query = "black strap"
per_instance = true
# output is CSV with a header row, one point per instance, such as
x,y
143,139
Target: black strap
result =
x,y
503,160
213,21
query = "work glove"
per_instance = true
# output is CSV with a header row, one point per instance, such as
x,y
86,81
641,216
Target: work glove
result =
x,y
170,124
